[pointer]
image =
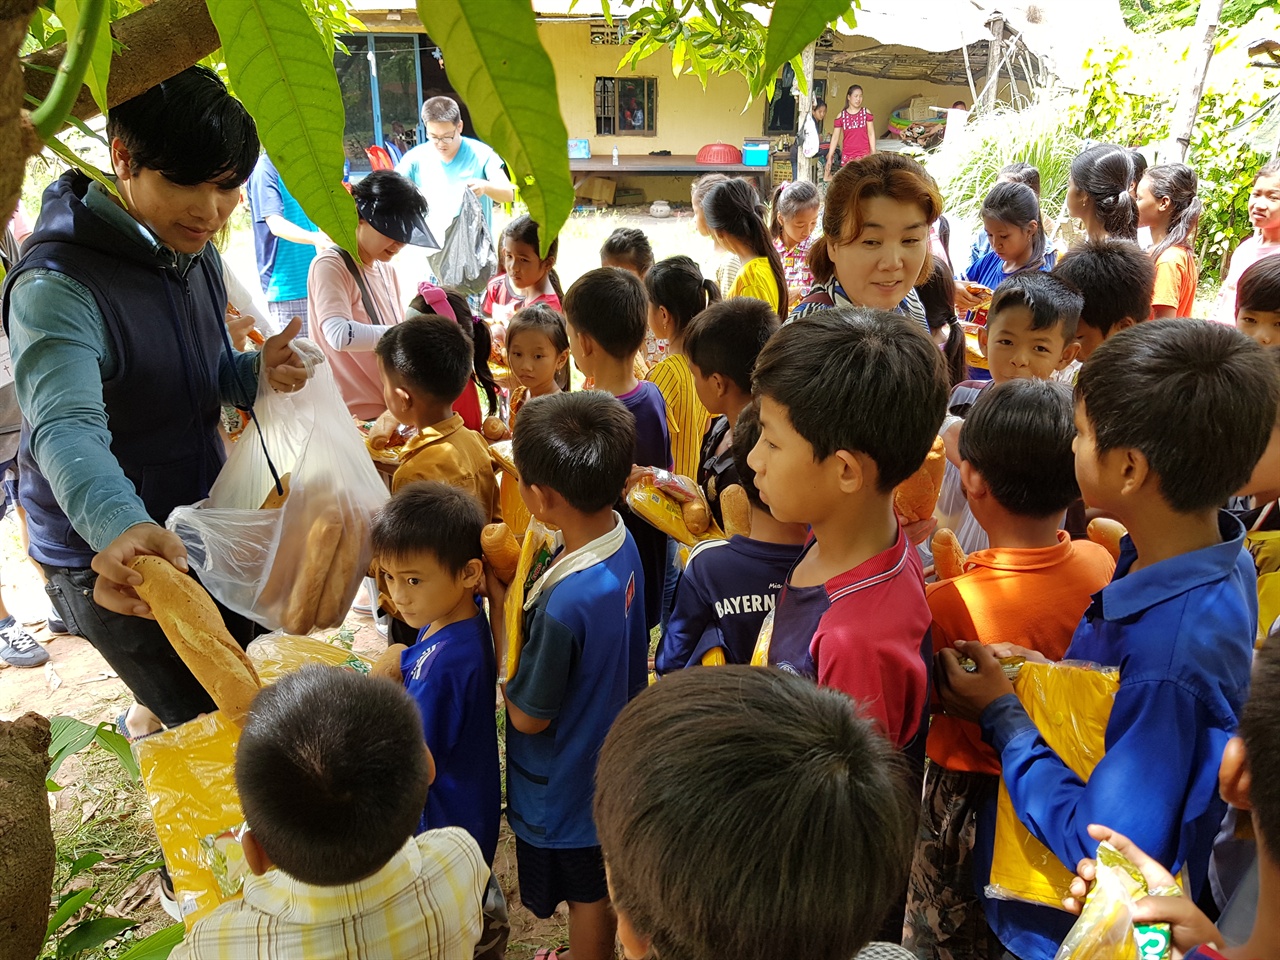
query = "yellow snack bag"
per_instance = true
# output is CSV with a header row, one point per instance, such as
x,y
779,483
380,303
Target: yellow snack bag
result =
x,y
760,655
514,512
1070,704
659,510
1106,929
1264,547
537,551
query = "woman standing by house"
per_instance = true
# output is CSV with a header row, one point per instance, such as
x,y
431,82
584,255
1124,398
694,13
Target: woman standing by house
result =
x,y
853,134
1169,207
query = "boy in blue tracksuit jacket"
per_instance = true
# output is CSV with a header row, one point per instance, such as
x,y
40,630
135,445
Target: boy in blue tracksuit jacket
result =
x,y
1172,416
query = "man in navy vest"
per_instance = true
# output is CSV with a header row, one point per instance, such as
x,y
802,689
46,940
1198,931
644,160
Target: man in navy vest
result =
x,y
116,314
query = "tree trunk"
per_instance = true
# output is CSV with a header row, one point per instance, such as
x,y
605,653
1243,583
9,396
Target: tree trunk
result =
x,y
26,838
804,105
1197,68
18,138
156,43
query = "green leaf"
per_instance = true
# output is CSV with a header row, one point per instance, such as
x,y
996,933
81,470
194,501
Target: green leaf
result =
x,y
90,859
114,743
279,68
95,77
157,946
68,906
794,24
677,56
509,85
92,933
69,735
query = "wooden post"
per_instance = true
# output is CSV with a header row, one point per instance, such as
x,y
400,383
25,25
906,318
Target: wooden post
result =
x,y
1188,105
804,104
973,90
995,49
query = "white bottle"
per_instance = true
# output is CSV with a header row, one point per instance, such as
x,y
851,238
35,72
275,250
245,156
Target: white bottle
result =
x,y
615,156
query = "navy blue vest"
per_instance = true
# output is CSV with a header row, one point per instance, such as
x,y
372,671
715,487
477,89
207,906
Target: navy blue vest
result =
x,y
163,402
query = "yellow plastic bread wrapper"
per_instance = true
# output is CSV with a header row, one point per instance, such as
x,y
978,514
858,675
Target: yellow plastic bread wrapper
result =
x,y
659,510
1106,929
760,655
514,511
1070,704
1264,547
537,550
189,775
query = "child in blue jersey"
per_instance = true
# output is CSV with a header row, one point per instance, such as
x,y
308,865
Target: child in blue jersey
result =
x,y
1171,416
730,586
607,314
582,658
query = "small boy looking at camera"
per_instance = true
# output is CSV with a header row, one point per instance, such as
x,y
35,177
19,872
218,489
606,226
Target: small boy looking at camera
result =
x,y
333,777
584,649
1258,303
1030,587
1171,417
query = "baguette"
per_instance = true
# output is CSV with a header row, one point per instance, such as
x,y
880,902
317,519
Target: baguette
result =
x,y
501,549
334,598
193,625
948,558
916,496
304,597
275,500
736,510
696,516
1107,533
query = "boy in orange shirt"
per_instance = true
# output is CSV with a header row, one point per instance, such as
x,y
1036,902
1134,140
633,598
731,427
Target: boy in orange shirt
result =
x,y
1030,587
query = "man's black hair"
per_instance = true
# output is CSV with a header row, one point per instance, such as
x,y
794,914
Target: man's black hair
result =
x,y
1116,279
332,773
609,305
1260,730
727,337
1018,436
1197,399
430,354
1050,301
861,380
773,814
430,517
188,129
746,434
581,445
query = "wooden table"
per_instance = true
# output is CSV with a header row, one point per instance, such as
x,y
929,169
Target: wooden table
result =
x,y
678,165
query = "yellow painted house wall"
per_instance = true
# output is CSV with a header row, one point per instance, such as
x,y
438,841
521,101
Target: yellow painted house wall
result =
x,y
687,117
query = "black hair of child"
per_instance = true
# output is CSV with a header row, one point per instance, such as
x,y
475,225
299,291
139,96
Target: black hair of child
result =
x,y
430,517
746,434
1179,184
728,336
1115,277
609,305
788,200
629,244
1050,301
581,445
476,330
430,354
189,129
1260,730
677,284
1259,287
938,297
1021,172
1107,174
1017,205
734,208
388,190
548,321
861,380
332,773
773,814
1018,436
524,229
1197,399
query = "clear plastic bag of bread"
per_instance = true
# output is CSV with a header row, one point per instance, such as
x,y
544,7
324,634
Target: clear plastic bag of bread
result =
x,y
293,563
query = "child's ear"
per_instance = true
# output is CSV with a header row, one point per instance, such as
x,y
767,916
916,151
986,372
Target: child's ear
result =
x,y
1068,355
635,946
255,857
982,338
1234,779
562,359
719,383
1124,323
1135,469
855,470
405,397
538,499
975,488
472,574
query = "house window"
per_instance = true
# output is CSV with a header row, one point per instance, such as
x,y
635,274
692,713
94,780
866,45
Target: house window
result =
x,y
626,106
780,111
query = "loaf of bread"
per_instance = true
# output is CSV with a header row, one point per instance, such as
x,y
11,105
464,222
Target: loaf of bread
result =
x,y
948,558
1107,533
304,596
501,549
192,623
696,516
276,498
916,496
494,429
337,593
735,509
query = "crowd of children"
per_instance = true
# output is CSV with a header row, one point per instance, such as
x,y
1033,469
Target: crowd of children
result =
x,y
849,794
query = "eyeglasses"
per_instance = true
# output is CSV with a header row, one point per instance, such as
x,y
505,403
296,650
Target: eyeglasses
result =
x,y
449,139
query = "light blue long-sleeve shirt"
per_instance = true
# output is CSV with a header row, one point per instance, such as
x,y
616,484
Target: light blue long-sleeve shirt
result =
x,y
62,354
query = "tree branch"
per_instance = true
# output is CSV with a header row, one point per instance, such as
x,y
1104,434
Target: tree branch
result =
x,y
156,43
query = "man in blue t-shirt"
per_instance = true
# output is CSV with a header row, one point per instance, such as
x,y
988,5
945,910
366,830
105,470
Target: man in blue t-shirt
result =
x,y
284,240
449,163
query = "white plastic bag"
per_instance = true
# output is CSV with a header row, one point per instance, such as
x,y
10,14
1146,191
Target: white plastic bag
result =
x,y
296,567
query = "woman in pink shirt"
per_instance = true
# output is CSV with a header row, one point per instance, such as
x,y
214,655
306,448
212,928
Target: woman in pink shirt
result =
x,y
853,134
352,304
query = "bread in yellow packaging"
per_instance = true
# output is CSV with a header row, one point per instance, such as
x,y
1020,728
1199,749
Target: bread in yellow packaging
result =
x,y
661,511
1070,704
515,513
537,550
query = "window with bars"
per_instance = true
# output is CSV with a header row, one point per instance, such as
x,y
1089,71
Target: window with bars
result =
x,y
626,106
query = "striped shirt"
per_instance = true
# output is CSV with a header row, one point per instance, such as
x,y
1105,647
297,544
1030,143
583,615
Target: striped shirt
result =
x,y
687,418
425,903
824,296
